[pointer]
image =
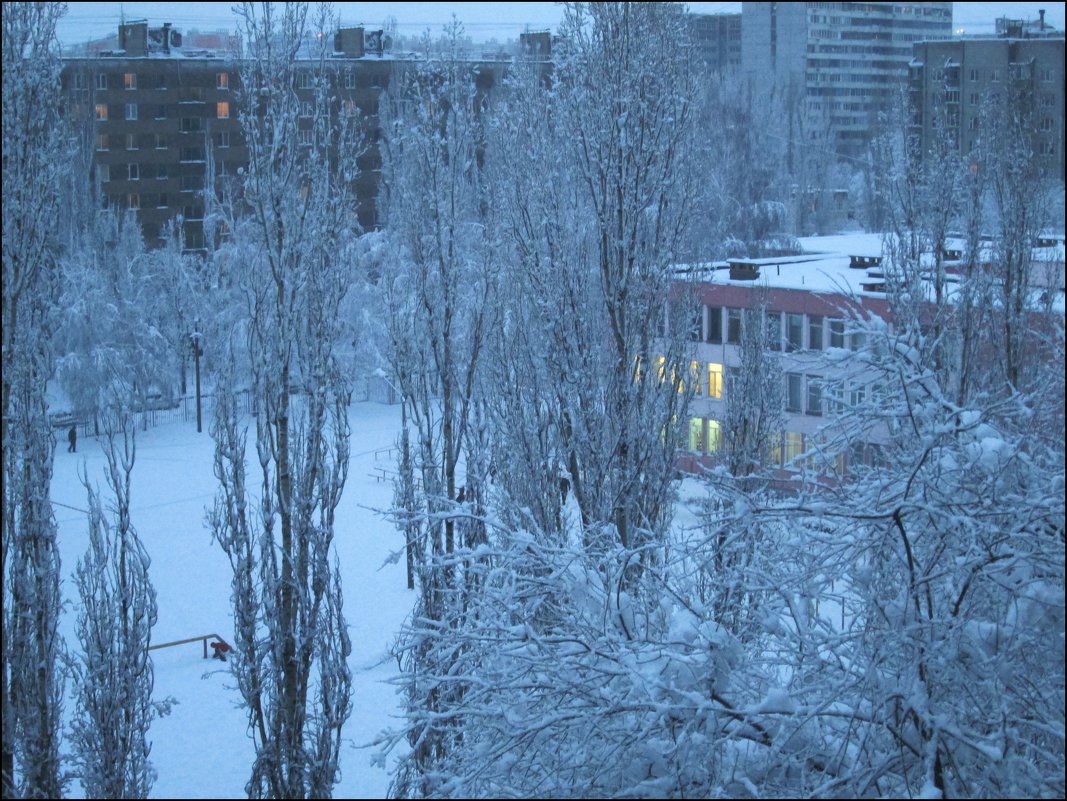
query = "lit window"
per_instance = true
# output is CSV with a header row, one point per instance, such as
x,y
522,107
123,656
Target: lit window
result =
x,y
101,111
222,110
222,80
794,331
714,436
794,446
129,80
714,380
661,368
696,434
131,111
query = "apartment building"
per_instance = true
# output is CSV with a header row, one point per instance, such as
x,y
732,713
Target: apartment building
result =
x,y
834,65
957,84
716,40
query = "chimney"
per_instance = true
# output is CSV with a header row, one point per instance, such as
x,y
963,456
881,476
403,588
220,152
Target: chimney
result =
x,y
1041,17
166,37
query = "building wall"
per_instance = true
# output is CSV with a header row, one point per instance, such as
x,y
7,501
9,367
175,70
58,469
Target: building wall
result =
x,y
841,61
716,40
955,83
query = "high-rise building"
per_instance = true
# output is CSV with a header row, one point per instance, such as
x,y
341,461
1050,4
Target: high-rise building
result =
x,y
957,83
835,65
716,40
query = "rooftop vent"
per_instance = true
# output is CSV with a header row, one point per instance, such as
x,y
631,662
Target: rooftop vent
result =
x,y
863,262
743,270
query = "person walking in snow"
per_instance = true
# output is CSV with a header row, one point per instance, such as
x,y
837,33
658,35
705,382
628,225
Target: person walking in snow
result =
x,y
72,438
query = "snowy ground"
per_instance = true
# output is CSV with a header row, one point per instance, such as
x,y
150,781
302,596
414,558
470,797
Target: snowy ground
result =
x,y
202,749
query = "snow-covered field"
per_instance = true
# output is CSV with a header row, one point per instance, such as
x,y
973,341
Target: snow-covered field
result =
x,y
202,750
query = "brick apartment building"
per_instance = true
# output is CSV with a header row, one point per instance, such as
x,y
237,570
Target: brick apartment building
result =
x,y
162,118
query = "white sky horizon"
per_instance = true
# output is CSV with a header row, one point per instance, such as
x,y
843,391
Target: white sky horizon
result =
x,y
482,21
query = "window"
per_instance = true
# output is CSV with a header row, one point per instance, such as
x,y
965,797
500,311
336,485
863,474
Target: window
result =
x,y
101,80
222,80
695,379
837,333
1046,75
815,332
774,449
1047,148
100,110
857,394
714,436
794,447
161,142
134,172
349,108
161,172
193,213
696,434
303,80
190,125
191,94
974,99
696,327
1046,124
101,142
192,154
161,81
733,326
814,395
129,80
103,172
714,380
304,137
223,139
794,392
994,75
131,141
794,332
973,75
859,341
77,80
161,112
350,80
131,111
133,201
306,109
773,323
222,110
714,324
190,183
162,202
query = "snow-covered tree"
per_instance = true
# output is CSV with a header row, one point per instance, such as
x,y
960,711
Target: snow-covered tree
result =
x,y
113,675
34,160
440,298
290,236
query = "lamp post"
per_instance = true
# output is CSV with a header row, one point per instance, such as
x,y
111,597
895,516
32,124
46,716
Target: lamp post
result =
x,y
198,351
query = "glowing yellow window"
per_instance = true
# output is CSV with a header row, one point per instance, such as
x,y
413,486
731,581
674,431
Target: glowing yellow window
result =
x,y
696,434
714,380
714,436
222,110
661,365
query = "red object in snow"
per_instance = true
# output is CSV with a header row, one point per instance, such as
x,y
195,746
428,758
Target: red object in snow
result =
x,y
221,648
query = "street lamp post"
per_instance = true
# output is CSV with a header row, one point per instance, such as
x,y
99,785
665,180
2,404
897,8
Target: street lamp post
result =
x,y
198,351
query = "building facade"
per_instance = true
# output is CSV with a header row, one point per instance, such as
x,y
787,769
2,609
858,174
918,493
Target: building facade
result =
x,y
956,84
837,65
716,40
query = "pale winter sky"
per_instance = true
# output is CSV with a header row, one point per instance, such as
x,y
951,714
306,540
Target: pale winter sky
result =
x,y
483,21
